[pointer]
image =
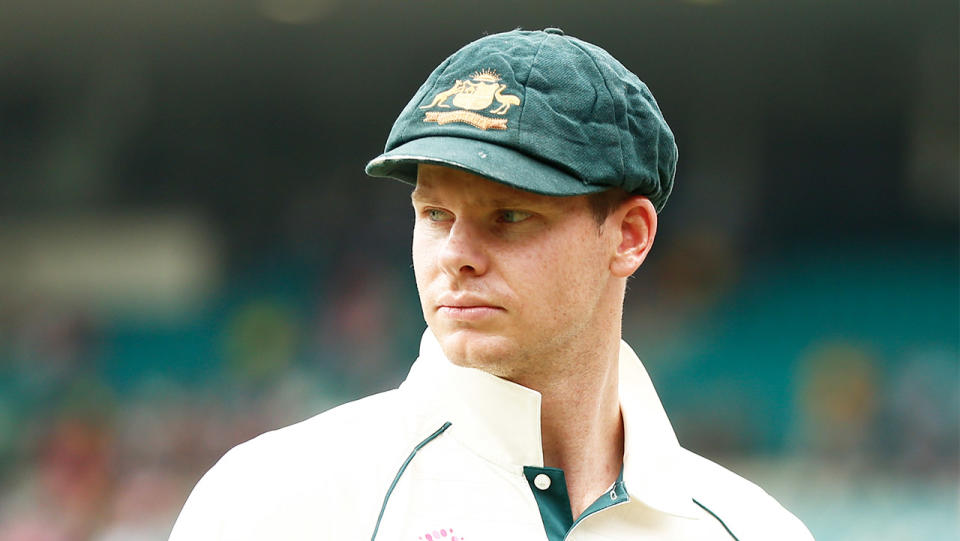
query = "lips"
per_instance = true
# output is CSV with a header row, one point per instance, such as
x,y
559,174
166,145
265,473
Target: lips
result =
x,y
467,308
466,302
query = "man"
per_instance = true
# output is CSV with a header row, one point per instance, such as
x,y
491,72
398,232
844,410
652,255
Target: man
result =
x,y
539,164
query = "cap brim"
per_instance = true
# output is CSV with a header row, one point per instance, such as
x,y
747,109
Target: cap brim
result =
x,y
480,158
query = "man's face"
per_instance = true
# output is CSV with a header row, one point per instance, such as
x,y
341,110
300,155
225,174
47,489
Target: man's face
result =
x,y
507,278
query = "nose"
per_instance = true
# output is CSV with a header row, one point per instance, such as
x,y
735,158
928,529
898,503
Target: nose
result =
x,y
463,252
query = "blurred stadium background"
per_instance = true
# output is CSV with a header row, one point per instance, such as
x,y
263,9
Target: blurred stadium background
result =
x,y
190,253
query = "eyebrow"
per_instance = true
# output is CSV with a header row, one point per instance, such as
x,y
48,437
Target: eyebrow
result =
x,y
418,196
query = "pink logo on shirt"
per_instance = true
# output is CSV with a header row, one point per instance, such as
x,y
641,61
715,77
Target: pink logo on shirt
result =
x,y
442,535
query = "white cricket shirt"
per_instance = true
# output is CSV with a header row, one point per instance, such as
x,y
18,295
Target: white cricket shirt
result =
x,y
454,454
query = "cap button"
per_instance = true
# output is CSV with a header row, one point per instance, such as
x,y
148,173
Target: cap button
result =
x,y
556,31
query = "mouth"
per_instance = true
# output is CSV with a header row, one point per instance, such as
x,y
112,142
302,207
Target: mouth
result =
x,y
467,309
468,313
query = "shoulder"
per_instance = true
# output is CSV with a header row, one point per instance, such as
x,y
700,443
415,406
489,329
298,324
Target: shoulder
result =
x,y
744,508
361,431
355,429
352,447
371,418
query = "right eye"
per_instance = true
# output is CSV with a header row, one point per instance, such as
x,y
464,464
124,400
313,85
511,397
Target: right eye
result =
x,y
437,215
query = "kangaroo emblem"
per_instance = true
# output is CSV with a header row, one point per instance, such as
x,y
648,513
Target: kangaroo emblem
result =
x,y
442,96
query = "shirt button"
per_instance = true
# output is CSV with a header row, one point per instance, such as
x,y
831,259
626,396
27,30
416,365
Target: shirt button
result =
x,y
541,481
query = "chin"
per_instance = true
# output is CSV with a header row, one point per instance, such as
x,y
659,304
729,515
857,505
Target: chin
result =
x,y
468,347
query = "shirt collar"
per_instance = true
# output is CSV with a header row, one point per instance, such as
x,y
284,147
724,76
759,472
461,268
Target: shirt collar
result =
x,y
500,420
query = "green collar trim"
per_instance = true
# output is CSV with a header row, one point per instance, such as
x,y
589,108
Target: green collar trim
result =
x,y
403,468
553,500
720,520
615,495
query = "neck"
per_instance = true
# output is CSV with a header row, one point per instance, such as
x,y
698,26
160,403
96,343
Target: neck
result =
x,y
581,426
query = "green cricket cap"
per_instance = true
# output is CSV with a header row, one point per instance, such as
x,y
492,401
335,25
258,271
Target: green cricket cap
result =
x,y
540,111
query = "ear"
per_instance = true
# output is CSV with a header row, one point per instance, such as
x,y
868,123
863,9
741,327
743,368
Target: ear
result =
x,y
634,225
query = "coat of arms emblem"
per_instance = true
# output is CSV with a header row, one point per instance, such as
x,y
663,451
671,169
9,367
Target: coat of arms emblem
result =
x,y
477,93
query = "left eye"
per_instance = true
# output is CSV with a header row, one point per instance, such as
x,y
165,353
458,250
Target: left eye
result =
x,y
513,216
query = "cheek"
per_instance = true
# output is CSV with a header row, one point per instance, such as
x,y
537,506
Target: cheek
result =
x,y
422,272
426,269
421,254
576,272
420,265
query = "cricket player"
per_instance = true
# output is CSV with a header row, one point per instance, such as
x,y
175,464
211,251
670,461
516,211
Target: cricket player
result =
x,y
539,164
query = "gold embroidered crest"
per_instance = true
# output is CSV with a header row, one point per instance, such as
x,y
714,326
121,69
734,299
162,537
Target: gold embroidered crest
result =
x,y
474,94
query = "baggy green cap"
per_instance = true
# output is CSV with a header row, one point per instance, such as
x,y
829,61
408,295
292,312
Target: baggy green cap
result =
x,y
539,111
